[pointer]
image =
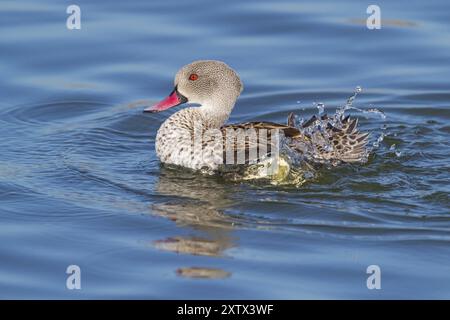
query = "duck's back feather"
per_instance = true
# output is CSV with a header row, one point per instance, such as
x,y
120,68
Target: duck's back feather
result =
x,y
346,144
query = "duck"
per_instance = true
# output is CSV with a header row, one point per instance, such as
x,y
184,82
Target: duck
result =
x,y
198,136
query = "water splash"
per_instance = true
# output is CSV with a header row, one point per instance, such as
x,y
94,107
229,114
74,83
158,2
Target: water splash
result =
x,y
321,108
302,158
377,142
321,139
319,134
349,105
393,148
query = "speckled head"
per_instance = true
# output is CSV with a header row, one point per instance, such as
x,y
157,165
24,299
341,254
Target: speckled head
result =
x,y
210,83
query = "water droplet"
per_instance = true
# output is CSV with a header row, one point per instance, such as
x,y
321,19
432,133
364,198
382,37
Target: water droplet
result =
x,y
308,175
319,135
397,152
321,108
376,144
378,112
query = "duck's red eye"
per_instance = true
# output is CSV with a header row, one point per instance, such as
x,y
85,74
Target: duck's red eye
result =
x,y
193,77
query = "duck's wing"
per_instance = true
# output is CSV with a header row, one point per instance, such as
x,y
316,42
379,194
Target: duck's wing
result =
x,y
291,120
256,140
347,143
289,131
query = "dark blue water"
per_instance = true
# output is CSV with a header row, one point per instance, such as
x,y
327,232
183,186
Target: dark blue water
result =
x,y
80,182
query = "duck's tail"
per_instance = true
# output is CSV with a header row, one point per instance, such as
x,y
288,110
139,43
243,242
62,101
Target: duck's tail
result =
x,y
332,144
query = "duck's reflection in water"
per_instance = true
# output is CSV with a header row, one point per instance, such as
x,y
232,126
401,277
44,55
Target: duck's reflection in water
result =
x,y
196,202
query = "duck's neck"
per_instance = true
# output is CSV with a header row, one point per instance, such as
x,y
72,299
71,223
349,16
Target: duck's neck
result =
x,y
217,111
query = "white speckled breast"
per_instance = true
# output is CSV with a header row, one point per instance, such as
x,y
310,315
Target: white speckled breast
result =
x,y
176,142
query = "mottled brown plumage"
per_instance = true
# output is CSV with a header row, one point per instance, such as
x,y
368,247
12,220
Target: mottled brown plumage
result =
x,y
216,88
